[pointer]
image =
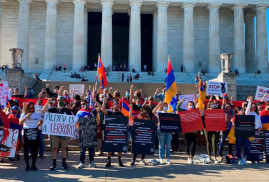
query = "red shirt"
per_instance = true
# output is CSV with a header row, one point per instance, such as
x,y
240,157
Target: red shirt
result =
x,y
13,119
264,113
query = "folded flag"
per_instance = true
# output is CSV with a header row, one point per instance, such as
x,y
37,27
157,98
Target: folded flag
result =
x,y
102,73
201,96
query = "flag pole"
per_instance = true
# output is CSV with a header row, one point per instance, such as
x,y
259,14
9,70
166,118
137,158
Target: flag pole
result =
x,y
97,75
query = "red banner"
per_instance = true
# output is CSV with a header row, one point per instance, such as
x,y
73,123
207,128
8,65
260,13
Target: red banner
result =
x,y
215,120
191,121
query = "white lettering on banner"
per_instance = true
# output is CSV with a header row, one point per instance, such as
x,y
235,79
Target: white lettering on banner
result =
x,y
187,99
260,92
79,89
4,93
216,88
60,125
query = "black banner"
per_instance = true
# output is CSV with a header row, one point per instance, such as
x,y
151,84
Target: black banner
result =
x,y
169,122
115,134
143,137
244,126
87,132
256,147
30,134
266,145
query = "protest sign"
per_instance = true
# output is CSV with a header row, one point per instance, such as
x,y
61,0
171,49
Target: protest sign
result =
x,y
244,126
4,93
115,134
260,92
8,142
215,120
191,121
256,147
87,132
79,89
266,145
265,122
187,99
143,137
216,88
169,122
60,125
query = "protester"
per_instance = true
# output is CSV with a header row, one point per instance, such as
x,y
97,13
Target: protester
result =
x,y
58,141
265,112
164,138
30,120
160,95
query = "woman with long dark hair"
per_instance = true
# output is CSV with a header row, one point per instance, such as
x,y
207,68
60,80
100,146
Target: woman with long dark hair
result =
x,y
30,121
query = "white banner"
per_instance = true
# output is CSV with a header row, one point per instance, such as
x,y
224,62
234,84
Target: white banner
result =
x,y
216,88
8,142
60,125
4,93
79,89
260,92
187,99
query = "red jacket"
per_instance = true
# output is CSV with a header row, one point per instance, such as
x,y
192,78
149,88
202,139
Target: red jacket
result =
x,y
264,113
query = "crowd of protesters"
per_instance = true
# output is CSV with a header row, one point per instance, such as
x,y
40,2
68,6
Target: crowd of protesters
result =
x,y
96,103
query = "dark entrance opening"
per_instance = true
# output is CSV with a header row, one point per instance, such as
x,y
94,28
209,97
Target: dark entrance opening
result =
x,y
120,41
146,41
94,37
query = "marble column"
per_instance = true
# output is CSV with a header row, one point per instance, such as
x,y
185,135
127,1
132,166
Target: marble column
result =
x,y
162,54
86,36
188,38
106,35
1,1
154,41
51,34
261,42
214,38
135,36
250,43
79,35
23,31
239,39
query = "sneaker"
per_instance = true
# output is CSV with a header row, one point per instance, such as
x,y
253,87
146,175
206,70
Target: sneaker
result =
x,y
81,165
143,162
42,157
92,164
241,162
245,161
154,162
161,161
168,161
190,161
120,164
108,164
216,161
65,167
53,168
133,163
27,168
34,168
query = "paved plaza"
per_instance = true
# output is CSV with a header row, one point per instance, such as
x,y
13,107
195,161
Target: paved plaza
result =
x,y
178,171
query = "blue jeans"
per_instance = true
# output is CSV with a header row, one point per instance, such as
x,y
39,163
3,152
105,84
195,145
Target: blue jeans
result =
x,y
223,138
164,142
83,152
239,142
42,144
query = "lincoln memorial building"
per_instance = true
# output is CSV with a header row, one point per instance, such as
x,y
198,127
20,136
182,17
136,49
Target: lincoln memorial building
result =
x,y
135,33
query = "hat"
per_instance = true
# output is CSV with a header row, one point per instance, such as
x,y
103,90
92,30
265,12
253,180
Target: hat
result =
x,y
15,89
15,108
56,87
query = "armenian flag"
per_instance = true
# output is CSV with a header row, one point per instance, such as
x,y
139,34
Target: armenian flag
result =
x,y
101,73
171,86
201,95
265,122
126,109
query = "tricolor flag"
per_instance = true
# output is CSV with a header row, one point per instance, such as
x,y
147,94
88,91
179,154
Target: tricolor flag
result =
x,y
101,73
171,88
126,109
201,96
265,122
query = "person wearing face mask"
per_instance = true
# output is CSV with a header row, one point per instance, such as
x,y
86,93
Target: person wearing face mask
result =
x,y
85,113
30,120
55,91
164,138
229,114
142,115
149,106
189,138
252,110
76,105
58,141
115,110
127,95
240,141
137,105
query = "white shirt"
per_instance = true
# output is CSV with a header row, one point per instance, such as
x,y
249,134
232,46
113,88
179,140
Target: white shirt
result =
x,y
32,121
258,123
